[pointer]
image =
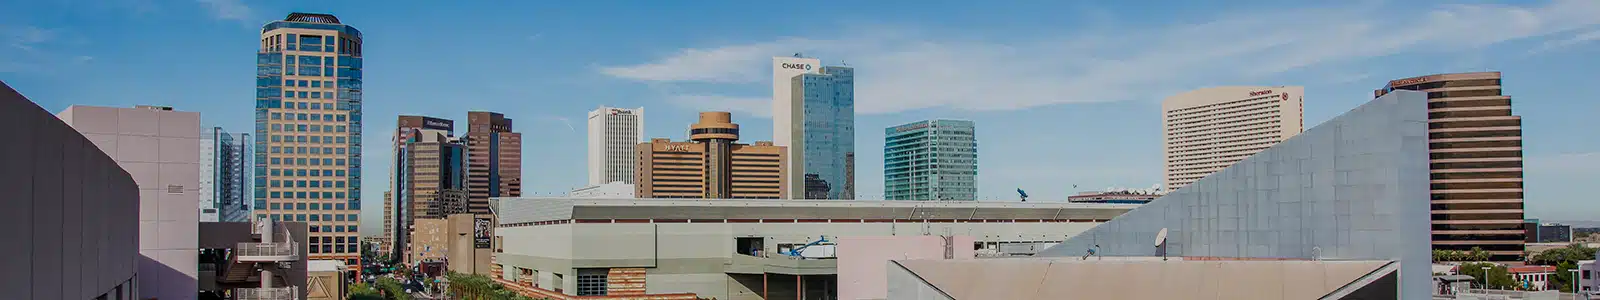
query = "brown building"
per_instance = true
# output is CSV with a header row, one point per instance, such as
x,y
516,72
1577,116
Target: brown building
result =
x,y
494,160
1475,152
710,165
428,169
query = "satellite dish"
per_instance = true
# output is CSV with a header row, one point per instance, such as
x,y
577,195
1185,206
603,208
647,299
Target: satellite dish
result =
x,y
1161,237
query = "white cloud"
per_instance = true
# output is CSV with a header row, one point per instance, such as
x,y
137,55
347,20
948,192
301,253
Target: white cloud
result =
x,y
228,9
1576,39
900,71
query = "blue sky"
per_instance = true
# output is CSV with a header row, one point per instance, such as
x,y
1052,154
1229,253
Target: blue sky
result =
x,y
1063,94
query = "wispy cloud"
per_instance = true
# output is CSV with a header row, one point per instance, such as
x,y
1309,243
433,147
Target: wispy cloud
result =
x,y
903,70
227,9
562,120
1576,39
29,49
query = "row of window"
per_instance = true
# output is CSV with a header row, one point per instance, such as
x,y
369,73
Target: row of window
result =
x,y
277,161
311,150
307,128
305,173
307,195
323,218
310,95
307,117
308,184
312,206
310,139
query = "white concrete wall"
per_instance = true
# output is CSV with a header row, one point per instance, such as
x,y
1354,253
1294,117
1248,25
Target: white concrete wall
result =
x,y
161,150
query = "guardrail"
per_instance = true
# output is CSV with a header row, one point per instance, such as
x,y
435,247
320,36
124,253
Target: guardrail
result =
x,y
277,293
289,250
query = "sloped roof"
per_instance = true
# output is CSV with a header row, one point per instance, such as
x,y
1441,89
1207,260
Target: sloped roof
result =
x,y
1070,278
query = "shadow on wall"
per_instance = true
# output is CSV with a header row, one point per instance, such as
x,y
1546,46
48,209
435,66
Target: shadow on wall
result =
x,y
157,280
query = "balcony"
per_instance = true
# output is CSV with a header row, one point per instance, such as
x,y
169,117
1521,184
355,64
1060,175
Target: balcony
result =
x,y
276,293
268,252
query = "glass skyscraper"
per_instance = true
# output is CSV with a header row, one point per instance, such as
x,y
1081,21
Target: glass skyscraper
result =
x,y
308,131
828,130
224,176
930,160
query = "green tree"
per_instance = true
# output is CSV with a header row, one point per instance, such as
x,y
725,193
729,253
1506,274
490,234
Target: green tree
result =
x,y
363,291
391,289
1498,277
1564,259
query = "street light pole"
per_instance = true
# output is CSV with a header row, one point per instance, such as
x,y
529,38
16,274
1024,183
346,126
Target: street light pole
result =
x,y
1574,280
1486,279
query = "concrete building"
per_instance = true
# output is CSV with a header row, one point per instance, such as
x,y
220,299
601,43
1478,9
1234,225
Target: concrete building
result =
x,y
613,134
325,280
711,164
308,132
1209,129
813,117
428,176
461,242
741,249
225,175
614,189
1587,278
1533,278
161,149
1286,223
1475,156
249,261
494,159
1119,197
73,212
931,159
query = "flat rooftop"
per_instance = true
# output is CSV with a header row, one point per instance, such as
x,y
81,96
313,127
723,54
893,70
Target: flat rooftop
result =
x,y
602,210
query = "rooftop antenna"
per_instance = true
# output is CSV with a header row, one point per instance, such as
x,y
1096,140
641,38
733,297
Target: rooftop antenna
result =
x,y
797,54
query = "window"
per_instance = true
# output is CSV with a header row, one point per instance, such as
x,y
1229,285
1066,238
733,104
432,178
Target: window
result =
x,y
301,83
316,84
591,282
316,95
278,116
304,95
288,94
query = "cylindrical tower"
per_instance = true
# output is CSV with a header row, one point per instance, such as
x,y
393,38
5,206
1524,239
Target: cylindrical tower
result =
x,y
717,131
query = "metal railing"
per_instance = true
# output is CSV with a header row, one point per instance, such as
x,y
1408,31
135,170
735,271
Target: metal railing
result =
x,y
267,249
277,293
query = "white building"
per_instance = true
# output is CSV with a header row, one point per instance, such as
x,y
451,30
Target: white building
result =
x,y
208,176
613,134
788,116
1209,129
160,148
613,190
1586,277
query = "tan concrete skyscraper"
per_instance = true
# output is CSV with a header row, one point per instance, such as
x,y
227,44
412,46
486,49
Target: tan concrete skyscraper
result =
x,y
1207,130
1475,157
711,166
428,173
308,131
494,160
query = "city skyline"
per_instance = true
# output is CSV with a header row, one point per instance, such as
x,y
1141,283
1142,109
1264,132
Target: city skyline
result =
x,y
1549,95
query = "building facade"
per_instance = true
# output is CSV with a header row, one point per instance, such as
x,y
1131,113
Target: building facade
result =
x,y
1344,190
73,210
743,249
224,176
308,131
494,159
1119,197
1209,129
615,189
429,174
711,165
814,119
160,149
613,133
930,160
1475,145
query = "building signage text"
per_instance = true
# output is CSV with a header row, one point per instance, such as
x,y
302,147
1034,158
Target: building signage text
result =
x,y
806,67
481,237
677,148
1259,93
429,123
1411,81
911,127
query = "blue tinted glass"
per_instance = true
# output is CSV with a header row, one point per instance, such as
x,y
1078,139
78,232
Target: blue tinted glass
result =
x,y
310,71
310,60
311,39
328,71
303,95
316,84
316,95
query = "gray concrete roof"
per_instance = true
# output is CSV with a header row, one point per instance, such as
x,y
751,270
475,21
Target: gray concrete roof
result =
x,y
520,210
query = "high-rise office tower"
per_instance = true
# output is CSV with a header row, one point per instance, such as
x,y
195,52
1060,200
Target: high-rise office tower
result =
x,y
613,133
1207,130
494,160
308,131
813,117
710,165
224,174
429,168
1475,149
930,160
